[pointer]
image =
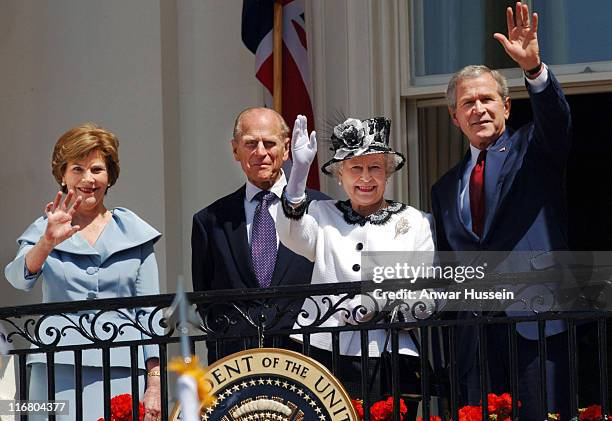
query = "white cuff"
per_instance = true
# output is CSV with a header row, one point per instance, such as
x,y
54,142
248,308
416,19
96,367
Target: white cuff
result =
x,y
539,83
295,200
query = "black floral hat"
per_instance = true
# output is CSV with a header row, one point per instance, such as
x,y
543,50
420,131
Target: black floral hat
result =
x,y
361,137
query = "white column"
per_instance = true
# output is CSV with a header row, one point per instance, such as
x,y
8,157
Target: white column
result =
x,y
356,72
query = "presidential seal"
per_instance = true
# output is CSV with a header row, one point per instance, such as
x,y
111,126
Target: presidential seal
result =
x,y
271,384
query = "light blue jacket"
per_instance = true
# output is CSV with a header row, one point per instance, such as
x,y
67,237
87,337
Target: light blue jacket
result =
x,y
121,263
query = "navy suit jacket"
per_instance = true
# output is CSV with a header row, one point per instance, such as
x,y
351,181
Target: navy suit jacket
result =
x,y
221,257
525,200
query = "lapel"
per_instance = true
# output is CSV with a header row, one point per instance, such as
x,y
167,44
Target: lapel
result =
x,y
236,232
496,172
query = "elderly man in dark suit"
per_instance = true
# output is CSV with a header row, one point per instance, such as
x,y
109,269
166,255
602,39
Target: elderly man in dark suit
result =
x,y
508,193
233,241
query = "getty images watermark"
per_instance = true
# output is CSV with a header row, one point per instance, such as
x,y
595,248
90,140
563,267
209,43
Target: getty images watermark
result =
x,y
535,281
458,274
429,276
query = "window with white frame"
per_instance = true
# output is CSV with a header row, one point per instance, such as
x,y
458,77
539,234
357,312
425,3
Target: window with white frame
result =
x,y
439,37
449,34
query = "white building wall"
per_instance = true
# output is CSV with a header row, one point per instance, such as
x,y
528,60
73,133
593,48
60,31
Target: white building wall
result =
x,y
65,62
354,54
168,77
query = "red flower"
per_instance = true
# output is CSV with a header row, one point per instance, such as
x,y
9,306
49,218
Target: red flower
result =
x,y
358,407
500,405
592,413
431,418
470,413
121,408
381,410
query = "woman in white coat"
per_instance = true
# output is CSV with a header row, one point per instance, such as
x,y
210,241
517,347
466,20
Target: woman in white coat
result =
x,y
334,234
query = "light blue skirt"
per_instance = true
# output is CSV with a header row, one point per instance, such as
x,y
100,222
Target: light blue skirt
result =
x,y
93,388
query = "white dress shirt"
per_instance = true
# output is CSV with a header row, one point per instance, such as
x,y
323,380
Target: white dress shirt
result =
x,y
250,204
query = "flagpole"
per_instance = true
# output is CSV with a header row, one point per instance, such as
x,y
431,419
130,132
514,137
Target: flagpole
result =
x,y
186,384
278,57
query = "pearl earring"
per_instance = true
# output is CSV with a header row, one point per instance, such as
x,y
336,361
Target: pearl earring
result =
x,y
63,183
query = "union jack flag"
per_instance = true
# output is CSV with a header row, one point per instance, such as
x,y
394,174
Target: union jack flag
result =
x,y
257,34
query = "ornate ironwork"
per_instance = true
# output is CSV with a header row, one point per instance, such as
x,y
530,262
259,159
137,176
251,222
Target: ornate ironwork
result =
x,y
102,322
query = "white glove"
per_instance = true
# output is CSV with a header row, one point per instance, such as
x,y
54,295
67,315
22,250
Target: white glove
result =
x,y
303,152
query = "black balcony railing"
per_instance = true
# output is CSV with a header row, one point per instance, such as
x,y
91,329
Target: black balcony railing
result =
x,y
254,316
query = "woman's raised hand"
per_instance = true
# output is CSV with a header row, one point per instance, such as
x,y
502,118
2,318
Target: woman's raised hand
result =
x,y
303,152
59,218
303,147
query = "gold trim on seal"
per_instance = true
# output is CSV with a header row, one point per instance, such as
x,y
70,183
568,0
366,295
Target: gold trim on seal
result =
x,y
271,366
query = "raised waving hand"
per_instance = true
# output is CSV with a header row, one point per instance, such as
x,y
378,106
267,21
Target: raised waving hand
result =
x,y
303,152
521,44
303,147
59,218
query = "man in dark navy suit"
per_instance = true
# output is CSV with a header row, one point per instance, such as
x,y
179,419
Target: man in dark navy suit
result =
x,y
508,194
223,256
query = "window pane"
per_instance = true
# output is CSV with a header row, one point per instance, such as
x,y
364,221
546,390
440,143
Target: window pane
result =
x,y
574,31
450,34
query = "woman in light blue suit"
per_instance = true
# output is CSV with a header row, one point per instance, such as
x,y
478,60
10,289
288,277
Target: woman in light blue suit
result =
x,y
80,250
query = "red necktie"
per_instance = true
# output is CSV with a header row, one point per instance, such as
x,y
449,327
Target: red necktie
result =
x,y
477,199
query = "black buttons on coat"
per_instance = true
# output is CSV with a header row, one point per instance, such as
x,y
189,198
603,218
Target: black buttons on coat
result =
x,y
356,266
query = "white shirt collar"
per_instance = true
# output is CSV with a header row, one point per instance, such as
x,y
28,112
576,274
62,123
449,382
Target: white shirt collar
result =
x,y
277,188
475,152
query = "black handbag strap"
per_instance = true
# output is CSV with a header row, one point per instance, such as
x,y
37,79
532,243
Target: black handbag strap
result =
x,y
384,349
413,336
388,330
410,332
